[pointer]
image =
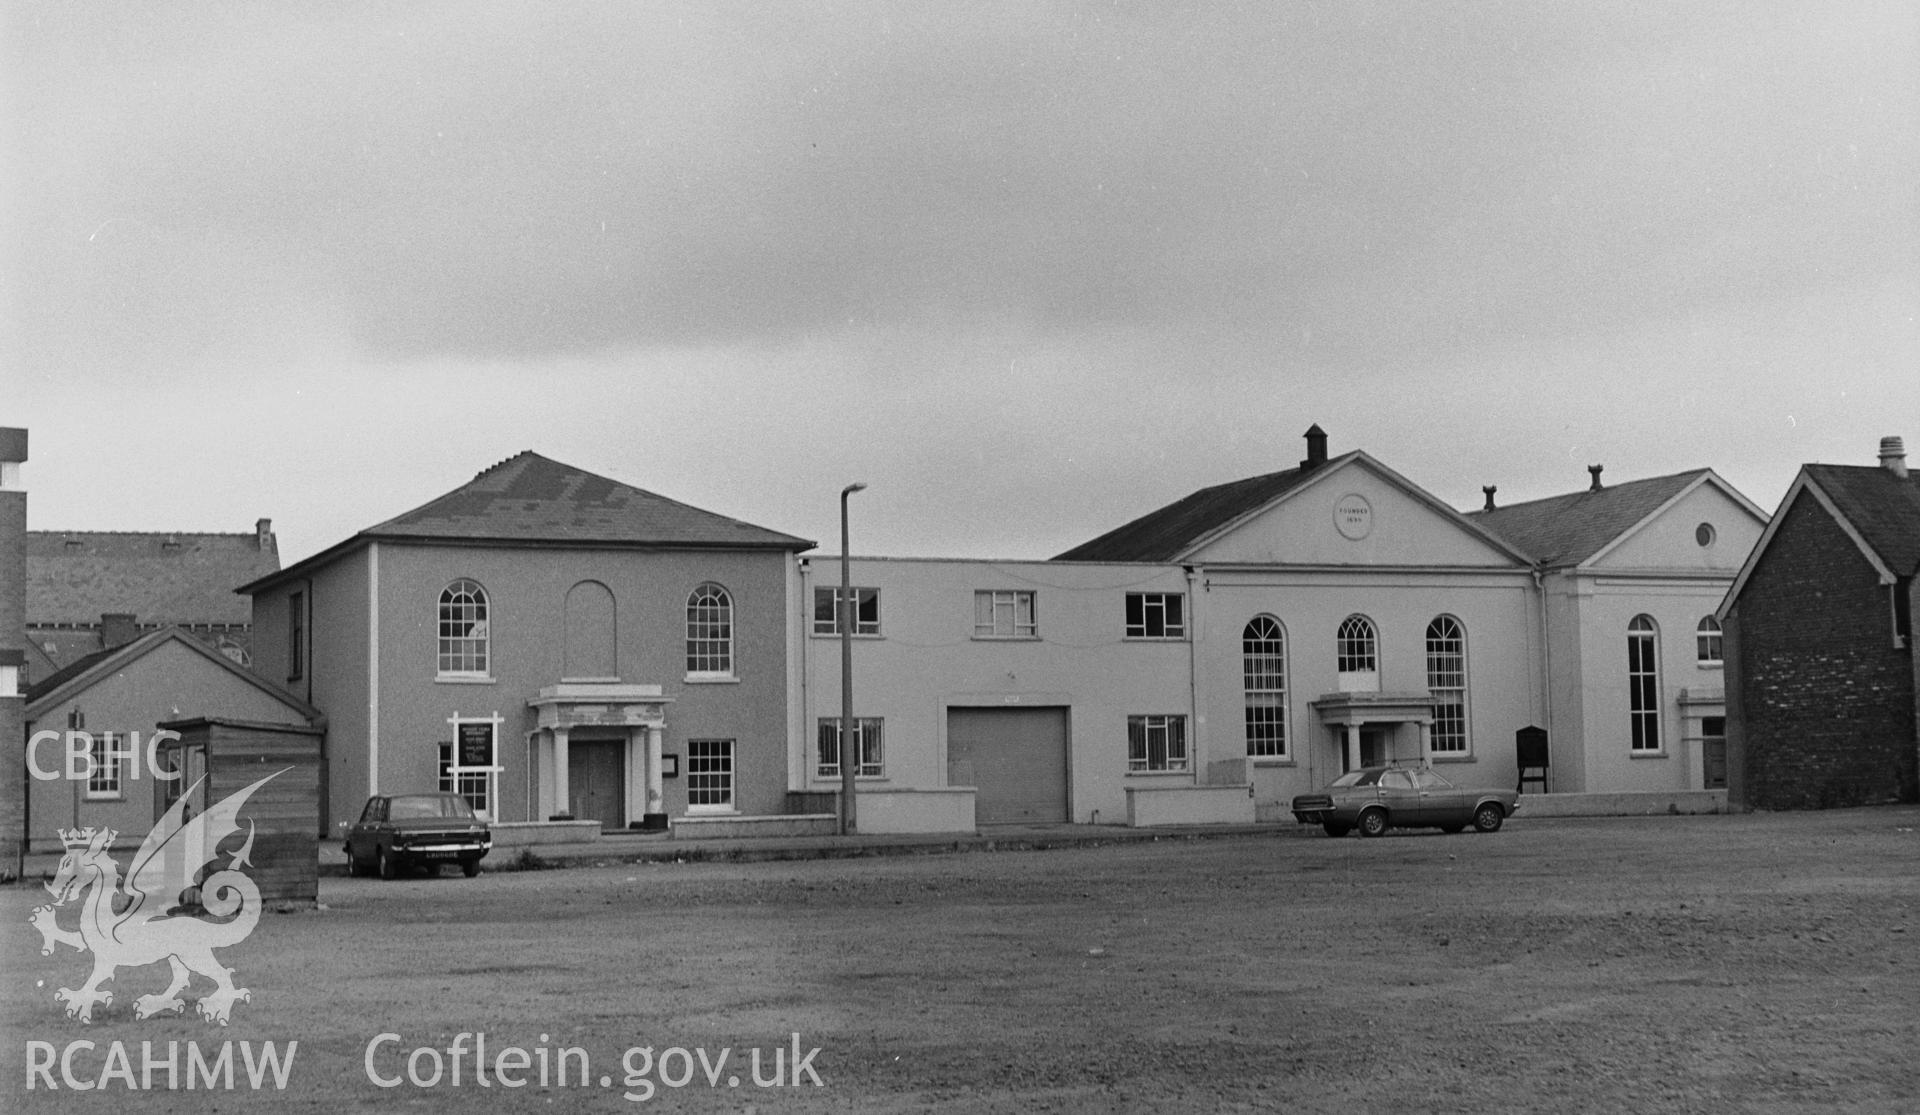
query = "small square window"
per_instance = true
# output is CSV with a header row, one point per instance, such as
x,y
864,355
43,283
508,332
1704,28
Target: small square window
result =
x,y
1004,614
1156,615
826,611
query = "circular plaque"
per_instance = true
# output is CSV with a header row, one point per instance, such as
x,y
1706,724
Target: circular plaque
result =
x,y
1353,516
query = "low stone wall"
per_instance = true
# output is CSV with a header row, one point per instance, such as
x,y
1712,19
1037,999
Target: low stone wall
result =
x,y
1639,804
903,811
517,834
716,828
1148,806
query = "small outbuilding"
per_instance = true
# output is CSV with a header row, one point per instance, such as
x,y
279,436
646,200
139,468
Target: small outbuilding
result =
x,y
283,814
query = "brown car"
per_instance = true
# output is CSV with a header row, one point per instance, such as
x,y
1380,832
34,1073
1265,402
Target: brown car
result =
x,y
1375,799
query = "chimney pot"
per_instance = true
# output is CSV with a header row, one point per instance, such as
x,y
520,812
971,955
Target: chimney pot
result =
x,y
1489,489
1595,471
1316,447
1893,456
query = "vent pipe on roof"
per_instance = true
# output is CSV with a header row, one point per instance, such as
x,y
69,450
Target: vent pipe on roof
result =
x,y
1893,456
1489,489
1316,447
1595,470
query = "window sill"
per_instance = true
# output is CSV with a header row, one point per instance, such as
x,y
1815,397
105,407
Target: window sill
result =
x,y
1719,664
1450,757
1272,761
462,679
713,811
856,635
712,679
1160,774
1648,755
832,781
979,638
93,798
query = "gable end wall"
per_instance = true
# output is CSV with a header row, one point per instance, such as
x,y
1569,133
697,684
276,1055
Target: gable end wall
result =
x,y
1826,701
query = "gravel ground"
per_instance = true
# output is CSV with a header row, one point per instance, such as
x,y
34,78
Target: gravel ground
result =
x,y
1750,963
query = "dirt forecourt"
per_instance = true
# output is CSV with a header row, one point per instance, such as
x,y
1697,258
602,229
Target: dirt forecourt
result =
x,y
1766,962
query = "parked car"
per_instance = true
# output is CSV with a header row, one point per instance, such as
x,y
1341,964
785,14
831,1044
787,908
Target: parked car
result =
x,y
1375,799
400,831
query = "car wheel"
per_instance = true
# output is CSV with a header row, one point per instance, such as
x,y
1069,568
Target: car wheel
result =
x,y
353,863
388,869
1487,818
1336,828
1450,829
1373,822
469,867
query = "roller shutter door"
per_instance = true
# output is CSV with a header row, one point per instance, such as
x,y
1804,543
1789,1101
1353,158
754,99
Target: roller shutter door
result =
x,y
1016,758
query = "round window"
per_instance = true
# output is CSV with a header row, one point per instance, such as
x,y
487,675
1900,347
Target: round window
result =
x,y
1704,534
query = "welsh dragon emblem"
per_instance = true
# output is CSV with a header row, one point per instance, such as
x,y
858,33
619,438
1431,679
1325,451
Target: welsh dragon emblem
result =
x,y
147,918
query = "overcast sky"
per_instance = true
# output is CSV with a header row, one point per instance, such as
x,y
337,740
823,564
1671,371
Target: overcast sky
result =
x,y
1027,270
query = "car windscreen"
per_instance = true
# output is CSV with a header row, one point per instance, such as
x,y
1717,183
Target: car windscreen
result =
x,y
405,808
1357,778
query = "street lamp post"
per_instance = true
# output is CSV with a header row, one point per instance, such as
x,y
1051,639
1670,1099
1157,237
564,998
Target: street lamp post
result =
x,y
848,757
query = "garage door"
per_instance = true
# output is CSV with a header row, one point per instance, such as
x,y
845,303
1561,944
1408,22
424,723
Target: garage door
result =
x,y
1016,758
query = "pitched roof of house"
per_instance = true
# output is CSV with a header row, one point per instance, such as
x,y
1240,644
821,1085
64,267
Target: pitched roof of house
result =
x,y
84,672
1165,534
529,499
78,576
1883,508
1569,529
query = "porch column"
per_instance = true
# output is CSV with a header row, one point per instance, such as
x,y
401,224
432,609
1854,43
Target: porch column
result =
x,y
656,794
560,803
1353,745
1426,740
542,744
636,756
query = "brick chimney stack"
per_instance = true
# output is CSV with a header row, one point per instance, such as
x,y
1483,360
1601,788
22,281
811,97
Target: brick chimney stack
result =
x,y
1893,456
263,534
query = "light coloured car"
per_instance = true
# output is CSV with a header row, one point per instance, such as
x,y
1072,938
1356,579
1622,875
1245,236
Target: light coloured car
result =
x,y
1375,799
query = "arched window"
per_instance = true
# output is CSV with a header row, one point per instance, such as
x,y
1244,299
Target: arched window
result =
x,y
1643,682
1356,646
1707,638
463,629
1447,683
710,631
1263,647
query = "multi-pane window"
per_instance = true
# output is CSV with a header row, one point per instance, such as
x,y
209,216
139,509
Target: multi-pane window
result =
x,y
1263,649
709,774
1447,684
826,611
103,781
1356,647
1156,615
463,629
1707,639
1157,743
296,635
1004,614
868,740
710,631
1643,682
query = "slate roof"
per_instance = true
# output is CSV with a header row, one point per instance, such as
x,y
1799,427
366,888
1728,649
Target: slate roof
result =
x,y
529,499
1882,507
77,576
1569,529
1165,534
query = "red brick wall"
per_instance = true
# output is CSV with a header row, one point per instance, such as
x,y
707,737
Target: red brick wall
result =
x,y
1826,701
